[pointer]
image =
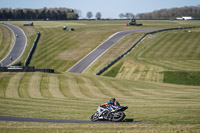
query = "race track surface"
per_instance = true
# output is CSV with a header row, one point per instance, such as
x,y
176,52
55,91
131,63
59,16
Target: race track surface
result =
x,y
84,63
18,47
22,119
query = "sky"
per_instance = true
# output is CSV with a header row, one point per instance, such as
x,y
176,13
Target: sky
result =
x,y
108,8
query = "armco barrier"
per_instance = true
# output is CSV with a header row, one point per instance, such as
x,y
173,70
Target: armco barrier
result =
x,y
28,59
24,69
129,50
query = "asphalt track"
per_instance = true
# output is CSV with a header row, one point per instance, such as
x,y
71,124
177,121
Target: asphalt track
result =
x,y
23,119
18,47
85,62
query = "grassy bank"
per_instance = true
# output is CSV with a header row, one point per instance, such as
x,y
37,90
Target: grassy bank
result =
x,y
6,41
173,50
75,97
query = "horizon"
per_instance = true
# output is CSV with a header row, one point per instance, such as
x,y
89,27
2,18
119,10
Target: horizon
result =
x,y
108,9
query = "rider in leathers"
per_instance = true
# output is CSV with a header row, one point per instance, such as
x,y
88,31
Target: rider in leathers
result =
x,y
112,105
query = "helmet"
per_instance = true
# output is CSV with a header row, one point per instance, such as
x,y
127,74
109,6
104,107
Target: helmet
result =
x,y
112,100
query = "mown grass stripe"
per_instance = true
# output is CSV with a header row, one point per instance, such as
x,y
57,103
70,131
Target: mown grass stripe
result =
x,y
74,88
157,47
54,87
34,85
23,85
122,89
193,52
64,87
171,46
180,47
94,90
186,46
152,46
112,89
102,89
44,86
83,88
4,81
47,54
53,45
195,63
50,40
13,86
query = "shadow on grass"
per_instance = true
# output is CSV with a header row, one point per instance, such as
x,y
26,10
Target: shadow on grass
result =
x,y
128,120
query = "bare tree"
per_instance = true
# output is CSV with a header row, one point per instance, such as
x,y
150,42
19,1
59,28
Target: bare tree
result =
x,y
98,15
129,15
121,15
173,13
89,15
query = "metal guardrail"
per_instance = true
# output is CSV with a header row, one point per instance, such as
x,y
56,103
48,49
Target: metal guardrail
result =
x,y
130,49
28,59
24,69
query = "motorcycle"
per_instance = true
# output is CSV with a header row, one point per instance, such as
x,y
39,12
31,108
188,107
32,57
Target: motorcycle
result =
x,y
103,113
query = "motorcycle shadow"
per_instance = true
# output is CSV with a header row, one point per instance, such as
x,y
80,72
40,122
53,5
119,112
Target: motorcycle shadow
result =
x,y
128,120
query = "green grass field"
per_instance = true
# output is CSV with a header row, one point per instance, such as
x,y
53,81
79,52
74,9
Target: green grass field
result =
x,y
75,97
172,50
135,82
182,77
6,41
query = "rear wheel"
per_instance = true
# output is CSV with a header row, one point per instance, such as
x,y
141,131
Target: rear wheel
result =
x,y
118,116
94,117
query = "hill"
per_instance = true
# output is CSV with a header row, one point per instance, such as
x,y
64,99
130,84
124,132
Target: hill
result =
x,y
75,96
173,50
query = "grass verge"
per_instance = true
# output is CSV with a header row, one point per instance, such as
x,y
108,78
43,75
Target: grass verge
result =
x,y
183,78
6,41
24,127
114,70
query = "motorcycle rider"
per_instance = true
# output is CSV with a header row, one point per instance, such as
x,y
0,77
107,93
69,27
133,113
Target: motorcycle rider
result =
x,y
112,104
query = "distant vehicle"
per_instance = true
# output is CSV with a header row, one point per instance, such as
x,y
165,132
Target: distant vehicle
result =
x,y
16,35
133,23
29,24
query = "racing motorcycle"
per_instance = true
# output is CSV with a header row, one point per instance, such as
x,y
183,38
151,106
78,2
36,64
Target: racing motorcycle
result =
x,y
103,113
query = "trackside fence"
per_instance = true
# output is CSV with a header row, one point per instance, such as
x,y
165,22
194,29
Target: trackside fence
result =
x,y
24,69
131,48
28,59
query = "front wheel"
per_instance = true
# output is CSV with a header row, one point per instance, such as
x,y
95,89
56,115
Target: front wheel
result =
x,y
118,116
94,117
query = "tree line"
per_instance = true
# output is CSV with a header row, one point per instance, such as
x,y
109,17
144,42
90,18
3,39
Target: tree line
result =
x,y
38,14
89,15
173,13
